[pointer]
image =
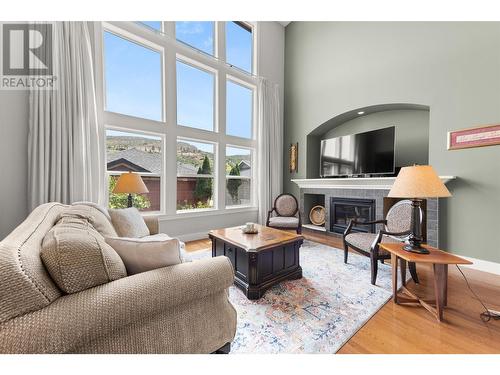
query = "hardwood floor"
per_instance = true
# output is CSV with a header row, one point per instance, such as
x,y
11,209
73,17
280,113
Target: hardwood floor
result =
x,y
403,329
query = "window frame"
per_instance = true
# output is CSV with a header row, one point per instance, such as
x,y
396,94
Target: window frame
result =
x,y
168,129
206,69
145,43
212,176
117,173
215,41
253,189
253,64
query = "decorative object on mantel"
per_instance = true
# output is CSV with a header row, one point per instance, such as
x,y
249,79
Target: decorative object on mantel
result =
x,y
130,183
294,158
486,135
416,183
317,215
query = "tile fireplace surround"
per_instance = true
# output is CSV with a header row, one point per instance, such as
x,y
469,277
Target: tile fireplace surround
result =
x,y
363,188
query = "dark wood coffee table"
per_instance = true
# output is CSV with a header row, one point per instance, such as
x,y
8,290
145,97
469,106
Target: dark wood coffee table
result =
x,y
260,260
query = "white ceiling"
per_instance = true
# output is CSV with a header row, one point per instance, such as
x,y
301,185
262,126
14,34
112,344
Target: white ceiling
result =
x,y
284,23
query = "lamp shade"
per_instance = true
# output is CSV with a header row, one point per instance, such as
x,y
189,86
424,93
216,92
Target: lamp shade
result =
x,y
418,181
130,183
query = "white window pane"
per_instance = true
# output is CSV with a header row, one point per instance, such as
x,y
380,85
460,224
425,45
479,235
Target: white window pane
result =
x,y
195,97
239,173
239,105
239,45
195,163
139,153
152,24
133,78
199,35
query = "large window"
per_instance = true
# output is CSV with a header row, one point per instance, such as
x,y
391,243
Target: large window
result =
x,y
179,112
239,108
138,153
133,76
239,45
195,174
195,97
238,176
199,35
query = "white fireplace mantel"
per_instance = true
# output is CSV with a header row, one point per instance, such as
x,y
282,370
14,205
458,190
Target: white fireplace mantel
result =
x,y
383,183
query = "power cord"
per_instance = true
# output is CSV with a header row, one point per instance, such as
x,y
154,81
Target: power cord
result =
x,y
487,314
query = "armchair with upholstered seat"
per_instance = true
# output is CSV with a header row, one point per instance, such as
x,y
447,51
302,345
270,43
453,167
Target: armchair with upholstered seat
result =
x,y
397,228
287,215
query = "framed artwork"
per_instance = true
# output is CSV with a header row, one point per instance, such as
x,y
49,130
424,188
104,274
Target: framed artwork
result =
x,y
294,156
486,135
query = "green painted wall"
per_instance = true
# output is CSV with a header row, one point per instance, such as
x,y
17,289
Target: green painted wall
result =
x,y
452,67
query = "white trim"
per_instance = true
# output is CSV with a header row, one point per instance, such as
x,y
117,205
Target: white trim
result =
x,y
193,237
482,265
384,183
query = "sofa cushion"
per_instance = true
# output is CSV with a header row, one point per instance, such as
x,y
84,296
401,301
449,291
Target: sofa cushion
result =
x,y
128,222
77,256
284,221
95,214
147,253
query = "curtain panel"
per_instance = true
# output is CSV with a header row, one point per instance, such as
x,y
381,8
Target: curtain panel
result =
x,y
64,162
270,140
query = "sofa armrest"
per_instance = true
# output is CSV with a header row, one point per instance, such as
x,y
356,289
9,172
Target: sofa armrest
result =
x,y
76,319
152,222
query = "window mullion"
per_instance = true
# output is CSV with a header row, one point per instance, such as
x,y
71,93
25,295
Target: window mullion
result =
x,y
170,186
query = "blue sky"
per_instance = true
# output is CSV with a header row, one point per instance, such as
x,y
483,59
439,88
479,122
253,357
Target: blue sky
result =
x,y
133,78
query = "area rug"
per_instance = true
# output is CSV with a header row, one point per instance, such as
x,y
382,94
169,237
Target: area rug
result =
x,y
315,314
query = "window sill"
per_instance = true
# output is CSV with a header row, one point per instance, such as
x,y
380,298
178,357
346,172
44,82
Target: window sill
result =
x,y
207,213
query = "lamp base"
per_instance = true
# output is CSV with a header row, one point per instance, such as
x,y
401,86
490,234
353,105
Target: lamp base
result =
x,y
416,249
129,201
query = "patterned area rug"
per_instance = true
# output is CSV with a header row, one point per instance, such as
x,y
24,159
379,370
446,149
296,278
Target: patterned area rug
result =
x,y
316,314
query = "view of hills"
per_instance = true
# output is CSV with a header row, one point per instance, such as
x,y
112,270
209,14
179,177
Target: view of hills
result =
x,y
186,152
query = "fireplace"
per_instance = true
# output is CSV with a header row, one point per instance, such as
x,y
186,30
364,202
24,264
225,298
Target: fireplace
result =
x,y
342,210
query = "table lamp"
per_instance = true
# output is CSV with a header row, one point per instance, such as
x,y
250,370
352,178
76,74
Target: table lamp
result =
x,y
416,183
130,183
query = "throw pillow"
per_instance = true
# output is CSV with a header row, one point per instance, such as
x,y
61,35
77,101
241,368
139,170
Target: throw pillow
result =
x,y
128,222
77,257
96,215
147,253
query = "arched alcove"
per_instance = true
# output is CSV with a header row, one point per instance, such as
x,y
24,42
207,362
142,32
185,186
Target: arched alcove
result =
x,y
412,131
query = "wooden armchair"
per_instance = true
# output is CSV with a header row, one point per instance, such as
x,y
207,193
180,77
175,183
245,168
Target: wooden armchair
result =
x,y
397,226
287,212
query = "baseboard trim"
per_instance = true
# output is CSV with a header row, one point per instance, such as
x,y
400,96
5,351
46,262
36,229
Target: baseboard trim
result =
x,y
193,236
483,265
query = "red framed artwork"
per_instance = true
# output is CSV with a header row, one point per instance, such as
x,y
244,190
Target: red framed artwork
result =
x,y
486,135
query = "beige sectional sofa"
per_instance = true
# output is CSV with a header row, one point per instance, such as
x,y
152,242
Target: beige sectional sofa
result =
x,y
178,309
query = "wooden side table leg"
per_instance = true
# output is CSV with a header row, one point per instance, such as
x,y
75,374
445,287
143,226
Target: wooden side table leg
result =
x,y
402,265
440,286
394,262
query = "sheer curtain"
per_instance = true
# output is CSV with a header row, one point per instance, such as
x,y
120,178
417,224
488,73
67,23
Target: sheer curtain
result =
x,y
270,138
64,162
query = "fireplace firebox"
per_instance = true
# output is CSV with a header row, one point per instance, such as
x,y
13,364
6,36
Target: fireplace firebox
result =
x,y
342,210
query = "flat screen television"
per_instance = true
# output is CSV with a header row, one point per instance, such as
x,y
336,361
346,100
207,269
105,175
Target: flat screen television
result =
x,y
368,153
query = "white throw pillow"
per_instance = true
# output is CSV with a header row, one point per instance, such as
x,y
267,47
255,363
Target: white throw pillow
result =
x,y
147,253
128,222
